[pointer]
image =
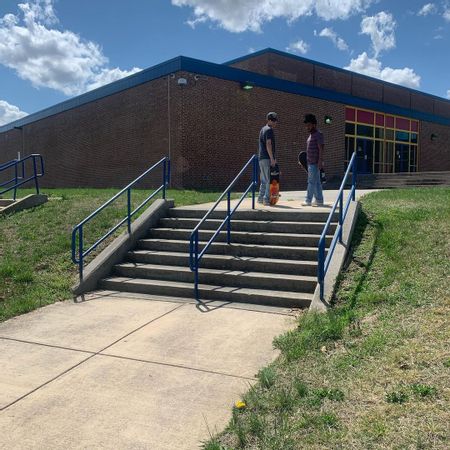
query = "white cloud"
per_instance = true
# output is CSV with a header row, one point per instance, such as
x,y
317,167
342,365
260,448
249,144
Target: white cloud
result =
x,y
429,8
446,14
9,113
448,94
380,28
331,34
49,57
373,68
298,47
242,15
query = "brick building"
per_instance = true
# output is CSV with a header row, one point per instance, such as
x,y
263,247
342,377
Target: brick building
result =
x,y
207,118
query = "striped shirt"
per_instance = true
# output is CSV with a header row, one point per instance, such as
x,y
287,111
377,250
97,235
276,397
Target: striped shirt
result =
x,y
312,146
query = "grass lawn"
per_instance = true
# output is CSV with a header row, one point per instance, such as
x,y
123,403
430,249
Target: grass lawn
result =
x,y
35,244
373,372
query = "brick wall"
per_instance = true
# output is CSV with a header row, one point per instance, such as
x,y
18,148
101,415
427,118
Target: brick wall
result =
x,y
303,71
211,126
224,132
434,155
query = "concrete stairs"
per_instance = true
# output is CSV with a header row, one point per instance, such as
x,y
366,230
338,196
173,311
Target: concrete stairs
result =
x,y
402,180
272,259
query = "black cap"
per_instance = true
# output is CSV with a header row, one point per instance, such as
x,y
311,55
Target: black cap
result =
x,y
273,116
310,118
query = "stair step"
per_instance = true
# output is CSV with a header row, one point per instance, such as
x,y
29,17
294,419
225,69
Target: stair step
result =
x,y
286,215
233,278
242,237
264,251
226,262
269,226
207,292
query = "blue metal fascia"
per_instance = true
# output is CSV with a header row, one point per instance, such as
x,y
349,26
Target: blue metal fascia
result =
x,y
336,69
158,71
258,80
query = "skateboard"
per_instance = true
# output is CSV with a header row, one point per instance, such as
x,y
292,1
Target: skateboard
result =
x,y
303,161
274,184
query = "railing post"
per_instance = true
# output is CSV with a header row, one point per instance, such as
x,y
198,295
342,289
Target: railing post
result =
x,y
80,252
164,179
35,175
228,218
15,179
254,180
353,178
320,267
196,264
168,173
129,210
341,208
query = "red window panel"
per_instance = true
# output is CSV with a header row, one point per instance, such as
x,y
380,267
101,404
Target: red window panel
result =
x,y
380,120
389,122
365,117
350,114
414,126
402,124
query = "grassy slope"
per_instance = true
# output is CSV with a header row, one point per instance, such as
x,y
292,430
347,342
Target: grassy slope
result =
x,y
373,373
35,264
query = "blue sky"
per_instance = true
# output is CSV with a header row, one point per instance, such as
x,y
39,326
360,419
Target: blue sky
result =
x,y
52,50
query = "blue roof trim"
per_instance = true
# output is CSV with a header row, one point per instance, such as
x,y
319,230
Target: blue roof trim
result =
x,y
327,66
265,81
227,73
158,71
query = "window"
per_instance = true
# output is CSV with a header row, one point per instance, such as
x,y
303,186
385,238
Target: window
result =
x,y
385,143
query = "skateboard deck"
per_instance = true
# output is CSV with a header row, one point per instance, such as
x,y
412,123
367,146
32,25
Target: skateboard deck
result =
x,y
274,184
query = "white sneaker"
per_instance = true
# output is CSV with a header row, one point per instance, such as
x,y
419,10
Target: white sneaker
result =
x,y
318,205
306,204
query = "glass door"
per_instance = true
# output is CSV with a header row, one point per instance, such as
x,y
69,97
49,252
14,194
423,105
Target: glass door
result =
x,y
364,155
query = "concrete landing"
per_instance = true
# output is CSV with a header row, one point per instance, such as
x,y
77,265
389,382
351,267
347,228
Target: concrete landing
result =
x,y
121,372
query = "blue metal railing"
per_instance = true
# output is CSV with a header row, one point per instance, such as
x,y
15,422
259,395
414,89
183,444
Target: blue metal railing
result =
x,y
322,262
20,179
78,229
194,255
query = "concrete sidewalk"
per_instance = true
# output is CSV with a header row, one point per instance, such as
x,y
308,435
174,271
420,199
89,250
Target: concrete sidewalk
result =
x,y
119,372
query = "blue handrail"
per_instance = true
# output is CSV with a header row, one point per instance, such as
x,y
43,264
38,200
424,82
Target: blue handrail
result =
x,y
78,229
322,262
20,180
194,255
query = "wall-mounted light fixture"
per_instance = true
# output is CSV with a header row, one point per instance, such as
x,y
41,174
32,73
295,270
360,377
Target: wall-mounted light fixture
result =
x,y
182,81
327,120
433,137
246,85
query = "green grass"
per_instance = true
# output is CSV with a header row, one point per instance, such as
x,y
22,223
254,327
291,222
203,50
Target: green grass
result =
x,y
371,373
35,244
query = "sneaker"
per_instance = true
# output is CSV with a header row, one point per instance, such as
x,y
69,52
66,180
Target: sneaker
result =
x,y
318,205
260,200
266,204
306,204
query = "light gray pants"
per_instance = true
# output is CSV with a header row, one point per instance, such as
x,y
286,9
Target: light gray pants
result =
x,y
264,174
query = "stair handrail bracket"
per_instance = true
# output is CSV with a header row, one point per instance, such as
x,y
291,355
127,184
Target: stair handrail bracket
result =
x,y
20,179
194,255
77,232
323,262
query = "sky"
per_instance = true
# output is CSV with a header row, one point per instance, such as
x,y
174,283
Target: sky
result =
x,y
53,50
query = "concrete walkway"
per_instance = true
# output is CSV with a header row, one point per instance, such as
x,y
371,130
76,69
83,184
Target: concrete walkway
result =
x,y
131,371
119,372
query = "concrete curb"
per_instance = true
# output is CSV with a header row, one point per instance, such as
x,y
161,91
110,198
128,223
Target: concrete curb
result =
x,y
102,265
337,261
30,201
